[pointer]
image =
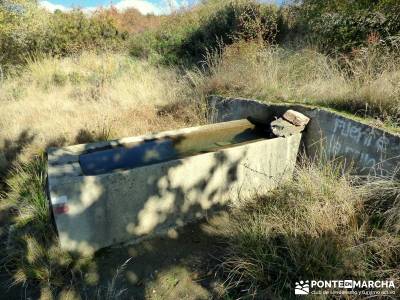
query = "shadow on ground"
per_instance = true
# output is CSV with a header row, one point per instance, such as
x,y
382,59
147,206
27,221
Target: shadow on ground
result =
x,y
181,265
177,266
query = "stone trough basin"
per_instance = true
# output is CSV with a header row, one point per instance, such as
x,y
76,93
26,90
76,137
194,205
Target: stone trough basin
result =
x,y
121,191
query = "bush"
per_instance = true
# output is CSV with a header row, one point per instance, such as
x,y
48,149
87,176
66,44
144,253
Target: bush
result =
x,y
206,28
235,21
345,32
73,32
161,45
341,26
131,20
27,30
23,28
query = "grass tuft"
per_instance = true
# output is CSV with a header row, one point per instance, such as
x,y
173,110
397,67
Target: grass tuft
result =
x,y
318,226
26,186
33,255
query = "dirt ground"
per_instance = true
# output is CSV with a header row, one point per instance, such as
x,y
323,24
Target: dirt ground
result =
x,y
180,265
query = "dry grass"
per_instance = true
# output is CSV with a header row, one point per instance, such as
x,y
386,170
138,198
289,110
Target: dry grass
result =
x,y
78,99
33,254
56,102
367,84
323,224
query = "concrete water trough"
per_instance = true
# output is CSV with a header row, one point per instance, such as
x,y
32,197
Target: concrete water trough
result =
x,y
368,150
120,191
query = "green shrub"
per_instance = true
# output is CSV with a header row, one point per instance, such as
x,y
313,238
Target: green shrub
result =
x,y
27,30
235,21
341,26
345,32
23,29
163,44
73,32
187,37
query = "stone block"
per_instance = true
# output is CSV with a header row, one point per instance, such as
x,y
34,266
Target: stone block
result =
x,y
283,128
296,118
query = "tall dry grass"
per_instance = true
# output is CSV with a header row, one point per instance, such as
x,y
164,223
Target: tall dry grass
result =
x,y
322,225
90,96
367,84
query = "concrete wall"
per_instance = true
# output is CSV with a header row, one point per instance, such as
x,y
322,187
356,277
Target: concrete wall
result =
x,y
370,149
92,212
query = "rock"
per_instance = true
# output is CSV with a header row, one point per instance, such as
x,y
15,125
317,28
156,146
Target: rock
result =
x,y
296,118
283,128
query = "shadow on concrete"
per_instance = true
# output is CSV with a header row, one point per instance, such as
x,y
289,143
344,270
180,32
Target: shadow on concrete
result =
x,y
160,258
12,243
184,252
160,197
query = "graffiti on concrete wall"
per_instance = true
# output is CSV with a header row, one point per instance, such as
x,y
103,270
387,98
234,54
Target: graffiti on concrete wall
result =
x,y
328,133
365,143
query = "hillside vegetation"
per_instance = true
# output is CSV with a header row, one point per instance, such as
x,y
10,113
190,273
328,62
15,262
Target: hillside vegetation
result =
x,y
70,77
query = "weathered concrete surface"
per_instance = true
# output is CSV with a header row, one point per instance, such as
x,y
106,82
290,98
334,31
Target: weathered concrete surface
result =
x,y
328,134
92,212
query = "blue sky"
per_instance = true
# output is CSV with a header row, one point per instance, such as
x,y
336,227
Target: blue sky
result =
x,y
80,3
144,6
90,3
